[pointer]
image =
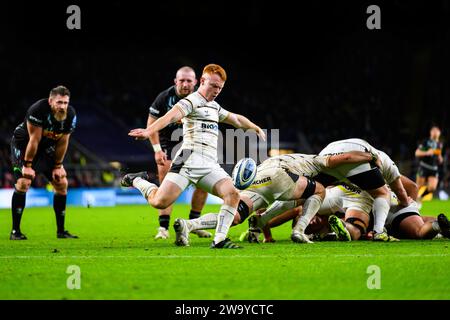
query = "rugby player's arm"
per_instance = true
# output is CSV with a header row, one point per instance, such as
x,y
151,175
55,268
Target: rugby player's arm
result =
x,y
421,153
348,158
154,138
241,122
35,134
410,186
61,148
173,115
399,190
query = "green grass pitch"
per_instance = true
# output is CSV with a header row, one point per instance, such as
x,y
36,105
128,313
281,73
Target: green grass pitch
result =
x,y
119,259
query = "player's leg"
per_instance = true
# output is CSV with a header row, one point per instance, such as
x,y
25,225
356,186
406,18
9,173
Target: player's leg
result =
x,y
373,182
197,203
225,190
158,197
355,222
59,206
421,181
17,206
314,193
279,220
20,189
432,183
413,227
164,214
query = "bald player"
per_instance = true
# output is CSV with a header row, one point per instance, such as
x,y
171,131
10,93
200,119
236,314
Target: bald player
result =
x,y
164,141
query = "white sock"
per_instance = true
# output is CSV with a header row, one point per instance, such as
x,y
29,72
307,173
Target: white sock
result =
x,y
225,219
310,208
206,221
277,208
435,226
380,209
144,186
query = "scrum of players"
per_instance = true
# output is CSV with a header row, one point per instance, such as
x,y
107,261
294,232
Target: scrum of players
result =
x,y
349,191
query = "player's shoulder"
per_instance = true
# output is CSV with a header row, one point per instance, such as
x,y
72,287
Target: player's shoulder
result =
x,y
40,106
195,99
71,111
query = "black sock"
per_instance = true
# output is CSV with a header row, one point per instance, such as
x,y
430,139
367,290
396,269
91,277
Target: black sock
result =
x,y
426,192
59,205
194,214
17,206
164,221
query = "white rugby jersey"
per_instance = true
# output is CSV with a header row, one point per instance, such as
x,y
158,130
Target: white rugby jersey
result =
x,y
388,169
200,124
307,165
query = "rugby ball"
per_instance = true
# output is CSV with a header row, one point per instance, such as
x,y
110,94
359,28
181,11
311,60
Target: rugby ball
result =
x,y
244,172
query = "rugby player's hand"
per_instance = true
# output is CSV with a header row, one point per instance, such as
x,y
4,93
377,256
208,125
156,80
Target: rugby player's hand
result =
x,y
28,173
140,134
160,158
408,202
430,152
59,173
260,133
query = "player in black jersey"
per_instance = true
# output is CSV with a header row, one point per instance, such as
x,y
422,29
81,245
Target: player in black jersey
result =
x,y
429,153
39,145
164,142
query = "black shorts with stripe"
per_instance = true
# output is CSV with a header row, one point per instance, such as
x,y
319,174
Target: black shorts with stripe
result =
x,y
425,172
43,161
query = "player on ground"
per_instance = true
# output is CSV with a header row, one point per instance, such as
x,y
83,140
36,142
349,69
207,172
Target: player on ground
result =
x,y
196,162
402,222
39,145
429,153
163,143
288,178
371,179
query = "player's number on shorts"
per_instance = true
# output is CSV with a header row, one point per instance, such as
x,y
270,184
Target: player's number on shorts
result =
x,y
74,20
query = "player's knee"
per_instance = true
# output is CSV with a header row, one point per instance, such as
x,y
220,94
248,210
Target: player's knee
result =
x,y
381,192
61,186
236,219
159,203
23,185
232,198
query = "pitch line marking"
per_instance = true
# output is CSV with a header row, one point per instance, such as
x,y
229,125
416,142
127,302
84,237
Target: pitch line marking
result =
x,y
228,257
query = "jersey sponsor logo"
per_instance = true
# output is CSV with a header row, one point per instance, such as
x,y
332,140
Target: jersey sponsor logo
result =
x,y
211,126
351,188
154,111
34,119
261,181
51,135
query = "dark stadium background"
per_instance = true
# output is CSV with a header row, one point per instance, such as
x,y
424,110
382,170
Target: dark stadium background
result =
x,y
311,69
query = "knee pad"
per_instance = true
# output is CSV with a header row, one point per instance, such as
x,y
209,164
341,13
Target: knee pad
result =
x,y
309,190
358,223
243,210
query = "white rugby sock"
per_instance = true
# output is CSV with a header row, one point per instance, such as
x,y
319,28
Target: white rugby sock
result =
x,y
206,221
225,219
144,186
435,226
380,209
310,208
277,208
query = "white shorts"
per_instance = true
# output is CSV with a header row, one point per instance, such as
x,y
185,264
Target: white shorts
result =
x,y
272,183
202,172
342,198
399,212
